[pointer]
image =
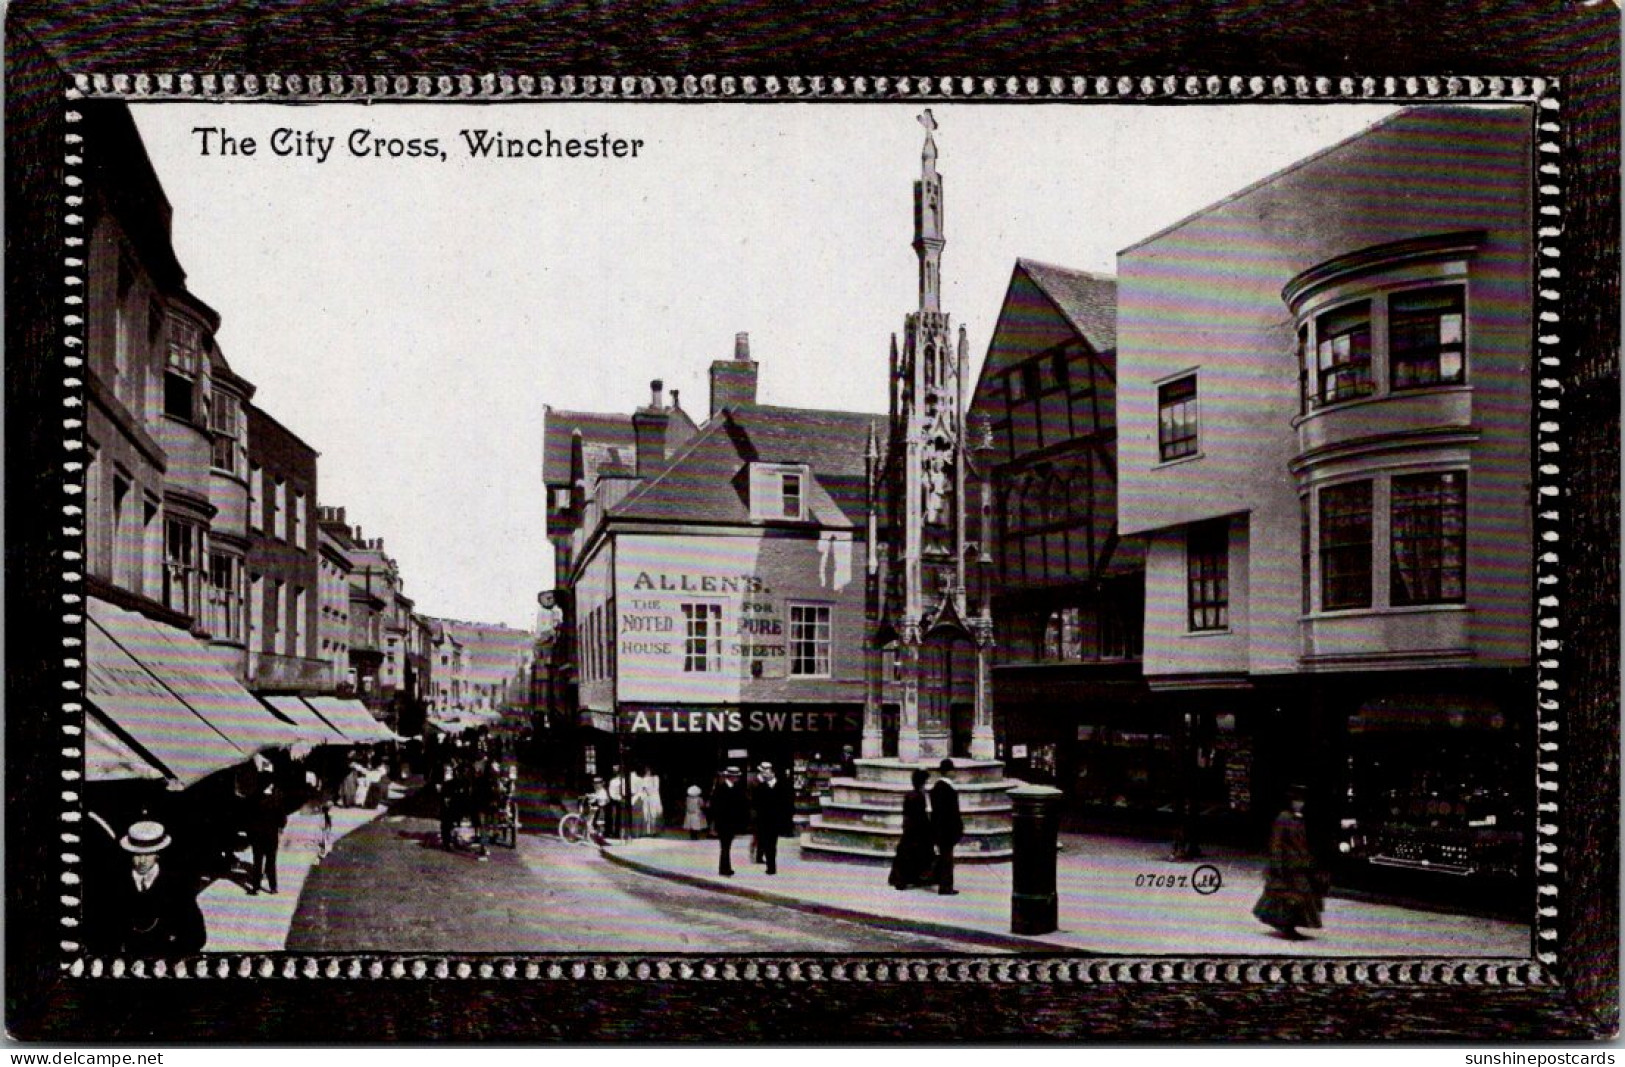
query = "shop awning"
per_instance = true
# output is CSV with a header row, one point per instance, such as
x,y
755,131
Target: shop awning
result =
x,y
188,671
313,729
109,758
352,718
186,746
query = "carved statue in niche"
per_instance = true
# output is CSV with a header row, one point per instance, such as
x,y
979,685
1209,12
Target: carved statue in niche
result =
x,y
935,483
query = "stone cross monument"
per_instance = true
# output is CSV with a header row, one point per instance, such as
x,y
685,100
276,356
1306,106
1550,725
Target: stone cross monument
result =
x,y
938,651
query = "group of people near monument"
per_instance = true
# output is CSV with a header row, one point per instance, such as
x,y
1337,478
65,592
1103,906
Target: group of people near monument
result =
x,y
765,808
932,826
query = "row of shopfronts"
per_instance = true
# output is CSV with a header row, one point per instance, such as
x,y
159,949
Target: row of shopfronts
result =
x,y
1418,782
169,733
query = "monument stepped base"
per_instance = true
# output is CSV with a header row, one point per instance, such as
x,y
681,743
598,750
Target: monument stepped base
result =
x,y
861,818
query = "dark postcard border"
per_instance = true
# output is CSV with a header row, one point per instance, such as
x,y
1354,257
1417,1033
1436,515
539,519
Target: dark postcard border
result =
x,y
605,1012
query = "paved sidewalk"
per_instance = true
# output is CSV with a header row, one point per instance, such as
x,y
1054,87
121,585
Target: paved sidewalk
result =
x,y
238,922
1115,898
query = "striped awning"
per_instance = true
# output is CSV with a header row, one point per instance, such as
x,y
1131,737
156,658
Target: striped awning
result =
x,y
313,729
352,718
141,658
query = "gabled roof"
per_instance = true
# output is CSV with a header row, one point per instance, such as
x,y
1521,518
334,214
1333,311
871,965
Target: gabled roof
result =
x,y
708,480
1042,303
601,428
1089,301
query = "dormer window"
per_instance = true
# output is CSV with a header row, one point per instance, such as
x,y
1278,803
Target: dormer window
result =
x,y
778,491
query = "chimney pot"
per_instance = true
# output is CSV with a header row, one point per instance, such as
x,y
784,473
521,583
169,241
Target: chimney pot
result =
x,y
674,404
742,346
655,389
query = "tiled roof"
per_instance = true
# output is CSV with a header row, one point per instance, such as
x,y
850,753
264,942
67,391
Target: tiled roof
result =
x,y
1089,301
708,481
602,428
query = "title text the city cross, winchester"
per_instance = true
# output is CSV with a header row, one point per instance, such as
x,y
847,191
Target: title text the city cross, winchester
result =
x,y
366,143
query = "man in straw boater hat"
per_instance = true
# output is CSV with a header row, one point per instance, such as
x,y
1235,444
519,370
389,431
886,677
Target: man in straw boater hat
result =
x,y
152,909
730,814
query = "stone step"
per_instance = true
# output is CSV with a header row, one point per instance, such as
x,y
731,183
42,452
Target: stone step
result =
x,y
966,771
880,794
866,857
977,821
878,841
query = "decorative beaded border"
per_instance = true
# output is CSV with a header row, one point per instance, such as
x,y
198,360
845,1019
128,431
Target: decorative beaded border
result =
x,y
1540,92
1130,970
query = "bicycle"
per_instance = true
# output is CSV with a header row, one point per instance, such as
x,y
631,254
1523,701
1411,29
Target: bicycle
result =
x,y
579,827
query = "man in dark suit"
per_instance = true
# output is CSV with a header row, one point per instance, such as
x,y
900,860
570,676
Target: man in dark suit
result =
x,y
267,816
772,804
730,814
947,827
152,907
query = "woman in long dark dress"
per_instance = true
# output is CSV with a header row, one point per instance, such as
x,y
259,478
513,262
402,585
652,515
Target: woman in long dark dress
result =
x,y
1293,884
915,853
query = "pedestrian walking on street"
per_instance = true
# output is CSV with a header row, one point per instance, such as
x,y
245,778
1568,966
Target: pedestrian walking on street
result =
x,y
947,827
1294,886
267,816
915,854
694,813
446,788
487,795
772,804
730,812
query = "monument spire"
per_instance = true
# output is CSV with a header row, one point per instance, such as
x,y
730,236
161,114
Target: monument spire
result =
x,y
928,238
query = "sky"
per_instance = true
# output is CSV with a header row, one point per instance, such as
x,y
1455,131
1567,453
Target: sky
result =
x,y
411,316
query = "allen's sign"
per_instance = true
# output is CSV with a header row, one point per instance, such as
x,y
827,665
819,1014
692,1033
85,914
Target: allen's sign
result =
x,y
741,721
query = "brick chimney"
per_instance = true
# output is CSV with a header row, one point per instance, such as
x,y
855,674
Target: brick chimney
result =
x,y
733,381
649,431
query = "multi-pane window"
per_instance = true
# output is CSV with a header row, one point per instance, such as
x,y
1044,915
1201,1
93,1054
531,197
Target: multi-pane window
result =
x,y
1428,539
1345,546
182,370
1343,353
301,532
1426,340
279,510
225,615
809,640
223,417
183,566
1207,566
1176,418
702,638
790,493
